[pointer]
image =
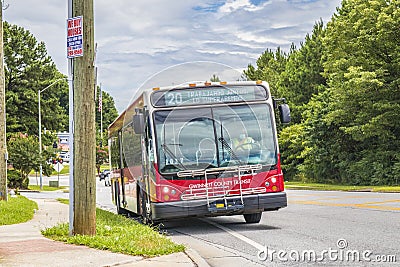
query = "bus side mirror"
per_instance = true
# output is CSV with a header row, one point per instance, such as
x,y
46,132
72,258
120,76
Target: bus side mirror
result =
x,y
284,112
138,123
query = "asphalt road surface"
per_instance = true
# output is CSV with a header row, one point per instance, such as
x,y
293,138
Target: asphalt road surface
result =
x,y
317,228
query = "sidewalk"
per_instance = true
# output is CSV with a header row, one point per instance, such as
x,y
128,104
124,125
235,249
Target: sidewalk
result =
x,y
23,245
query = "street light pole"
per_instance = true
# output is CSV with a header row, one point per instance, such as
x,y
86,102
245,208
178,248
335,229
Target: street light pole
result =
x,y
3,143
40,143
40,129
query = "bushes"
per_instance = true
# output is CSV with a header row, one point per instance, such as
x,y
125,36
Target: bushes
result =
x,y
16,181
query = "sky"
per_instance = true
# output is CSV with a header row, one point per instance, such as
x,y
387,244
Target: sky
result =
x,y
152,43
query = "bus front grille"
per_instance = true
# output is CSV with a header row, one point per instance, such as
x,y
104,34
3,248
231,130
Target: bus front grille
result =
x,y
219,192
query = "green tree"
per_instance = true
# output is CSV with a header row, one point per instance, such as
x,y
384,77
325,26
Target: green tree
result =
x,y
363,72
321,141
299,82
270,66
302,77
291,145
24,156
110,113
296,76
101,157
28,69
215,78
343,88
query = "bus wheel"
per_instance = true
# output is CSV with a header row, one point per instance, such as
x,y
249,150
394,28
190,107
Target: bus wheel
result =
x,y
252,218
120,210
147,220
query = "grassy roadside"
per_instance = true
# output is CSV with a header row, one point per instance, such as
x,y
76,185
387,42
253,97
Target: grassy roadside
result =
x,y
114,232
330,187
17,209
46,188
118,234
64,171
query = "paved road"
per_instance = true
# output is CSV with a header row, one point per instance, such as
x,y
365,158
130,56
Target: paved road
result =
x,y
332,227
337,227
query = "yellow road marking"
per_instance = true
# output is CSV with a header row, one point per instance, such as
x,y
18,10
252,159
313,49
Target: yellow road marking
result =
x,y
382,202
331,198
361,205
328,197
380,207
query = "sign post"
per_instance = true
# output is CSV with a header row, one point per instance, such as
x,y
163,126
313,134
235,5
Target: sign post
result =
x,y
58,167
71,126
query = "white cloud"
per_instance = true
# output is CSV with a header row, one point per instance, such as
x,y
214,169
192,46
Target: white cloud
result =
x,y
251,37
233,5
139,38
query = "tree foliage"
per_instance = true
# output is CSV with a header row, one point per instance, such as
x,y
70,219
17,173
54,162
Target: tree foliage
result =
x,y
363,72
270,66
214,78
28,69
110,113
101,157
24,156
343,85
302,77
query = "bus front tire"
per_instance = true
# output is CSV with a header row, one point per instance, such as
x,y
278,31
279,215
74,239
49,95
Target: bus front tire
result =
x,y
253,217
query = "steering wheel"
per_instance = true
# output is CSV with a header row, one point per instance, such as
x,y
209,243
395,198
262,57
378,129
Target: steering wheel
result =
x,y
253,146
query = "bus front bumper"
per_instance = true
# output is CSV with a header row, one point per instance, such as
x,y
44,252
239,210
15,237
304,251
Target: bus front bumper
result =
x,y
199,208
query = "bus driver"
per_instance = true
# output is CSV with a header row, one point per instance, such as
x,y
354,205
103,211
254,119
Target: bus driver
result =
x,y
243,143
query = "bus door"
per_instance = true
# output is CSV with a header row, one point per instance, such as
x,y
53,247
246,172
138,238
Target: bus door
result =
x,y
147,182
132,171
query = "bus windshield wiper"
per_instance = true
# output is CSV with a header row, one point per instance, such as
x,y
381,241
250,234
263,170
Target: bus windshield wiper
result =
x,y
172,155
229,149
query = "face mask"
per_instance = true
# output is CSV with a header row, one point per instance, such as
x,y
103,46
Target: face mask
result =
x,y
242,136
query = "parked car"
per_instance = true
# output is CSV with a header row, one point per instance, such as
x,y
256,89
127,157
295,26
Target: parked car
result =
x,y
64,156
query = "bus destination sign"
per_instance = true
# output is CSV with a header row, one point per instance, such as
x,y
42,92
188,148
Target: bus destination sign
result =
x,y
208,95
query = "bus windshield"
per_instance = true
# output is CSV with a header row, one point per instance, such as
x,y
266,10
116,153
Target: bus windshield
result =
x,y
211,137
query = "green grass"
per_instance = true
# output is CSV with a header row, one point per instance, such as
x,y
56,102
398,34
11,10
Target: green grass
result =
x,y
64,171
104,167
63,200
16,210
118,234
332,187
46,188
387,189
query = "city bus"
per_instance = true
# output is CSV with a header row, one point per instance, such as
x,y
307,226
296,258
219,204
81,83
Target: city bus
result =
x,y
198,149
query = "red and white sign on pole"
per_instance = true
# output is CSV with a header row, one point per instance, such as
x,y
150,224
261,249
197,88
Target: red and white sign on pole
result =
x,y
75,37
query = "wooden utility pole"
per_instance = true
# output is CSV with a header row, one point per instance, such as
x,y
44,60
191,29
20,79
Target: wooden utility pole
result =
x,y
3,147
84,158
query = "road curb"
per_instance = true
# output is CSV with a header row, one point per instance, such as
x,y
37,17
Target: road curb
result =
x,y
196,258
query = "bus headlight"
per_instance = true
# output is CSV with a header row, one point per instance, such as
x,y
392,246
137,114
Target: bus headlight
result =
x,y
266,184
165,190
273,180
173,192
